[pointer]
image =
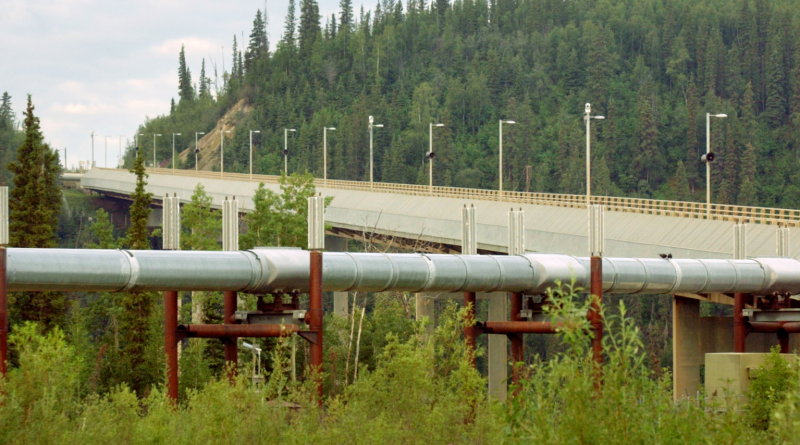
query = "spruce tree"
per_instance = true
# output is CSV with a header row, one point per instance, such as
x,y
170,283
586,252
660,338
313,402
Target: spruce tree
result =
x,y
185,90
34,204
309,26
6,112
748,192
257,48
775,111
203,89
138,306
346,15
290,24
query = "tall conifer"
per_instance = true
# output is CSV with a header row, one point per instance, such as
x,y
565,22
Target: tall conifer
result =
x,y
34,204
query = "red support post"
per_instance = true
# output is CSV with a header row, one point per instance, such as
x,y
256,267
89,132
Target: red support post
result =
x,y
315,318
596,289
3,312
517,345
171,343
231,343
470,333
783,340
739,325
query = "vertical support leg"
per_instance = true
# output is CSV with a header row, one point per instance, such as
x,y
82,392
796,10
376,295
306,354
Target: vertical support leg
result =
x,y
315,312
3,312
687,356
739,328
231,343
783,340
469,331
171,343
497,348
596,289
517,345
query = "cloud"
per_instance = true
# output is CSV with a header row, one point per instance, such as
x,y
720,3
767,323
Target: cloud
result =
x,y
194,46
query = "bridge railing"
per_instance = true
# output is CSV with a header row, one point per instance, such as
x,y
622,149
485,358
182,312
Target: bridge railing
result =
x,y
682,209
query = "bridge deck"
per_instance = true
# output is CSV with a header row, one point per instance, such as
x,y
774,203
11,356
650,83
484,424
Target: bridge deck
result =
x,y
421,216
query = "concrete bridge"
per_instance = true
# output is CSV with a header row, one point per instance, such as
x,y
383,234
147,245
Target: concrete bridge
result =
x,y
422,218
428,219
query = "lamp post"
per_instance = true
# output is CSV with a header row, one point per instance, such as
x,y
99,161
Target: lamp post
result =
x,y
500,167
154,150
371,124
708,158
430,154
588,117
93,134
325,153
196,150
286,150
173,151
222,152
251,152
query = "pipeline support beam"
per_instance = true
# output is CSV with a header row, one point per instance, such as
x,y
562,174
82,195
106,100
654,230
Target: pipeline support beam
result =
x,y
231,344
739,326
595,319
3,312
316,318
470,333
236,330
517,344
171,343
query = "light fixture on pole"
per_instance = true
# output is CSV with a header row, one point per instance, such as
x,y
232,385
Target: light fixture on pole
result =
x,y
154,150
708,158
251,152
196,150
371,124
173,151
430,154
286,150
588,118
325,152
222,151
500,166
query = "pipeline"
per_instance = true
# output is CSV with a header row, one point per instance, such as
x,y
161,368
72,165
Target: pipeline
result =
x,y
264,270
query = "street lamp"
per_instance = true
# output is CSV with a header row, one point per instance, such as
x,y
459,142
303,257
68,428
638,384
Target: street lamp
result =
x,y
251,152
222,151
196,151
500,168
708,158
286,150
325,152
588,118
371,124
154,151
93,134
430,155
173,151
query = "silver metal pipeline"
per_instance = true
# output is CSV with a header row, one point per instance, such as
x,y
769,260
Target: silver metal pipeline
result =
x,y
265,270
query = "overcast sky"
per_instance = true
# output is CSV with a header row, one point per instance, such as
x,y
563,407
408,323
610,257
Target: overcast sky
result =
x,y
105,66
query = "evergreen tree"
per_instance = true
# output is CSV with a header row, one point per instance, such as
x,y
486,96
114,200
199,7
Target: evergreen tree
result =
x,y
289,27
258,47
775,111
731,164
647,158
138,306
6,112
34,204
185,90
309,26
346,15
680,184
235,66
747,192
204,89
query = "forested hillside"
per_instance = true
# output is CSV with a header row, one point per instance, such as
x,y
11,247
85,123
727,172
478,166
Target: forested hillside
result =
x,y
10,137
652,67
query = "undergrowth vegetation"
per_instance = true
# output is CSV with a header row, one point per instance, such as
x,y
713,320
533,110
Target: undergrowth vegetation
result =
x,y
418,387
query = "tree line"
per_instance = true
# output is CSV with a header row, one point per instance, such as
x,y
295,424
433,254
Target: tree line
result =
x,y
653,68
